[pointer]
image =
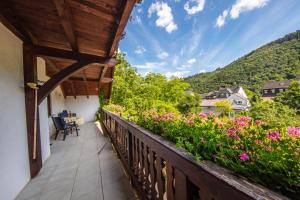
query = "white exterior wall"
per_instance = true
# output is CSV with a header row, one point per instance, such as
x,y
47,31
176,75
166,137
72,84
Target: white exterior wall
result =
x,y
14,164
83,106
43,113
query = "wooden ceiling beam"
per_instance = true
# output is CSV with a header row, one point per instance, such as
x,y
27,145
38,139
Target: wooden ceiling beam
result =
x,y
69,55
91,80
64,13
124,14
58,78
11,21
98,10
103,72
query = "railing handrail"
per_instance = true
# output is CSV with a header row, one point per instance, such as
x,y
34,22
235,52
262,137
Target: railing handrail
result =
x,y
204,173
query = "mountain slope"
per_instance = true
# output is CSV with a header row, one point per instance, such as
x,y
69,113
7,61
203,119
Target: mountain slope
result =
x,y
277,60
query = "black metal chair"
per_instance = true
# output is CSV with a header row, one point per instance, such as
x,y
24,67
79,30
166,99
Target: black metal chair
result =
x,y
61,125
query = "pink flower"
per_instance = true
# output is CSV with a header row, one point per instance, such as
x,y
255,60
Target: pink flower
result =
x,y
165,117
231,132
273,135
259,142
211,114
190,122
258,122
243,121
202,115
294,131
244,156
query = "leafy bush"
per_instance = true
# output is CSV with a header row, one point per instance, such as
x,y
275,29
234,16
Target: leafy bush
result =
x,y
269,156
117,109
291,97
274,114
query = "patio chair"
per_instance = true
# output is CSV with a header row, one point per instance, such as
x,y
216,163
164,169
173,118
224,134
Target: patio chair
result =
x,y
59,126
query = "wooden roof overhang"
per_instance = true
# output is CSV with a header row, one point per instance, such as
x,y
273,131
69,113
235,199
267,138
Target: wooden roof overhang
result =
x,y
77,38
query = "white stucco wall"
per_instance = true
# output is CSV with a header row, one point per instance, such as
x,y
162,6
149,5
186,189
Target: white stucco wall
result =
x,y
43,113
14,164
57,104
83,106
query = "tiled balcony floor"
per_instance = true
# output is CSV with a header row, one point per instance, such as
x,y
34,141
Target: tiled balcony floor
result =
x,y
80,168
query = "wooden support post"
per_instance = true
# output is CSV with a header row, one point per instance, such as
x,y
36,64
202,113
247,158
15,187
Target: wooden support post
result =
x,y
33,132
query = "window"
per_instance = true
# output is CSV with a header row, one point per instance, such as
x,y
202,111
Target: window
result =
x,y
239,102
266,91
273,90
280,90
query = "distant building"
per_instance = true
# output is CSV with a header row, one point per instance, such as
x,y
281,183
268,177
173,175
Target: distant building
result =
x,y
272,88
235,95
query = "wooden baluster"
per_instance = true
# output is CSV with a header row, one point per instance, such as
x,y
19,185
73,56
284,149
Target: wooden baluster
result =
x,y
138,159
180,185
142,175
160,184
152,191
146,167
110,125
130,150
170,180
134,153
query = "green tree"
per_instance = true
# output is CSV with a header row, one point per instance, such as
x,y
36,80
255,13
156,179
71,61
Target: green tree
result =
x,y
138,94
274,114
223,107
189,103
291,97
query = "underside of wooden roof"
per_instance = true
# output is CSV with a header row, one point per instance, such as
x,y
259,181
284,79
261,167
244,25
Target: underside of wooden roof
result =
x,y
65,31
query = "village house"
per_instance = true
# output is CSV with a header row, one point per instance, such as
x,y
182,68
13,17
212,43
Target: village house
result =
x,y
272,88
235,95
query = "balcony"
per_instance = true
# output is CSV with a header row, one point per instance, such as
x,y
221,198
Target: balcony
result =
x,y
84,167
158,170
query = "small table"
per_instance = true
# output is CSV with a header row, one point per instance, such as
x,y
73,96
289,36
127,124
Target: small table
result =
x,y
78,120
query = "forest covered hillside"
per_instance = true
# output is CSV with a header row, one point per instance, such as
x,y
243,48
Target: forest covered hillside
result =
x,y
277,60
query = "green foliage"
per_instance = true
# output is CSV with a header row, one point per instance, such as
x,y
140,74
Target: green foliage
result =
x,y
291,97
137,93
275,61
274,114
243,145
117,109
98,115
101,98
223,107
189,103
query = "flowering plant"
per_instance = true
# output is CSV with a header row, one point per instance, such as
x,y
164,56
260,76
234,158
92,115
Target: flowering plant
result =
x,y
244,145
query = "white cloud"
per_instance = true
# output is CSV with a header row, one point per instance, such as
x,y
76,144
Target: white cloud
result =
x,y
163,55
175,60
202,71
221,19
165,17
137,20
140,10
150,65
179,74
241,6
197,6
140,50
191,61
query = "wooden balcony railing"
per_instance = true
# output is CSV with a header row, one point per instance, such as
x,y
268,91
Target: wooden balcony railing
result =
x,y
158,170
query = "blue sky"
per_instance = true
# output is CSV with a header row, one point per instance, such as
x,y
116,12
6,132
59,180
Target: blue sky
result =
x,y
185,37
